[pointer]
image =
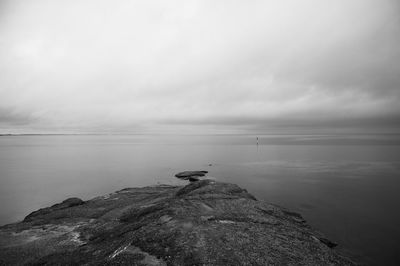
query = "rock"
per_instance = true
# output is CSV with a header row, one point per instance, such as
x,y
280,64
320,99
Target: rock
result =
x,y
203,223
327,242
71,202
191,175
193,179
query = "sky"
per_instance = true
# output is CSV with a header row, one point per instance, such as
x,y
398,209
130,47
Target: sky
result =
x,y
208,66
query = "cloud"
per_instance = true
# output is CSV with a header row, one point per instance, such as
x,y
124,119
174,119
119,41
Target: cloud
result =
x,y
12,117
131,65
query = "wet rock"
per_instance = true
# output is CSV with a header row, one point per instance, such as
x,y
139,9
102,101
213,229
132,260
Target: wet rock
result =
x,y
193,179
191,175
327,242
203,223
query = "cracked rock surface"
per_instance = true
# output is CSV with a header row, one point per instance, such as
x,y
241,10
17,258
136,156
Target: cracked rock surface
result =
x,y
203,223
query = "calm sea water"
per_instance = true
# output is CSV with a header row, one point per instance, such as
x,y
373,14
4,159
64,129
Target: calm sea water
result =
x,y
347,187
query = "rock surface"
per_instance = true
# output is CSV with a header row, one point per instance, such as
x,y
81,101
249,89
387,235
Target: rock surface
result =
x,y
192,176
203,223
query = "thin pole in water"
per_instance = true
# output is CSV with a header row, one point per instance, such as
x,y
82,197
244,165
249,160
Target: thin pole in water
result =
x,y
257,141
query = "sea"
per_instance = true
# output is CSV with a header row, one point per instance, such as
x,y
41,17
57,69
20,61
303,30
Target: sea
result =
x,y
345,186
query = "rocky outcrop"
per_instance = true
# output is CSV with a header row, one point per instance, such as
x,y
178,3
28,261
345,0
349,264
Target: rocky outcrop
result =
x,y
192,176
71,202
203,223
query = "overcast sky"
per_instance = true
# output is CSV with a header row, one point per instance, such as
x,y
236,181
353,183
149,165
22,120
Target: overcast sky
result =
x,y
199,66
